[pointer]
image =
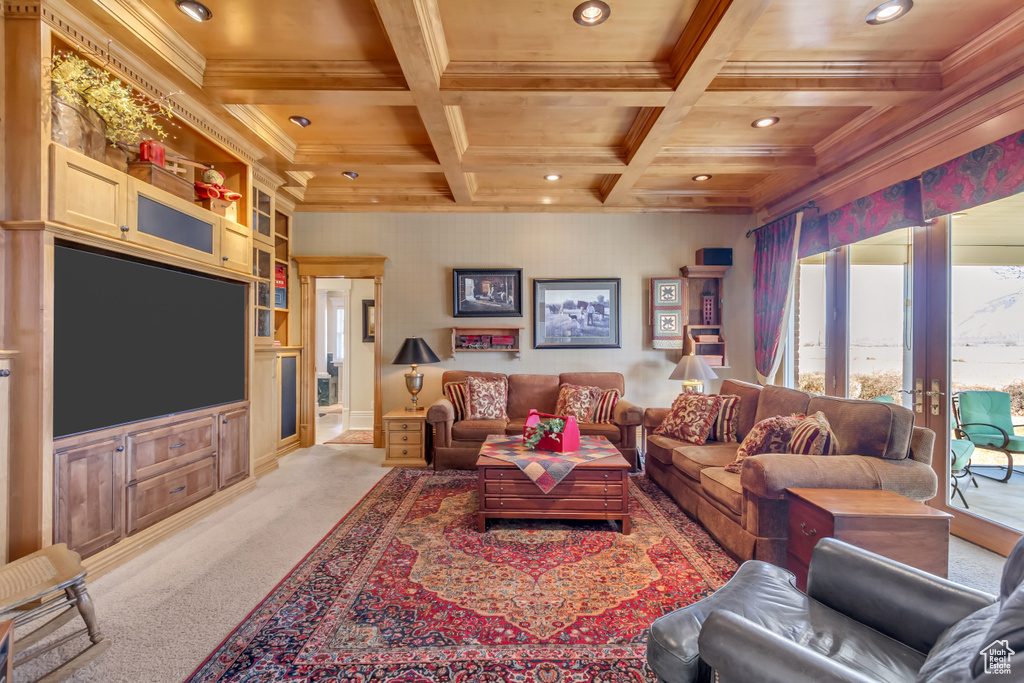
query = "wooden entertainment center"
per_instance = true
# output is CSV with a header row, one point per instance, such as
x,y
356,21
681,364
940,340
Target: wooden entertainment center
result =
x,y
114,492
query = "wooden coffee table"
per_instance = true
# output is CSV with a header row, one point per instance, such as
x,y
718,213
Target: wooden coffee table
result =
x,y
593,490
880,521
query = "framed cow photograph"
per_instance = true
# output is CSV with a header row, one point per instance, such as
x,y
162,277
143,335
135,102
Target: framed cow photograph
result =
x,y
487,292
576,314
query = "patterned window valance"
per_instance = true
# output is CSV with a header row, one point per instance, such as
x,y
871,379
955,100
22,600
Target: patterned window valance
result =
x,y
897,206
988,173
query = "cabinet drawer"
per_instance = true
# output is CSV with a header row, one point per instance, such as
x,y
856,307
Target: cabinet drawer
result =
x,y
160,450
543,505
404,452
514,474
807,525
396,439
572,489
405,425
160,497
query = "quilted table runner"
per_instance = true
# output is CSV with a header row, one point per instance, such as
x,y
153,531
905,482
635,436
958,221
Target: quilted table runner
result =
x,y
545,468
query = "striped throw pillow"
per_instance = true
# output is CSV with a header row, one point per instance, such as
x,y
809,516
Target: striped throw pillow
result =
x,y
605,406
813,436
727,426
456,393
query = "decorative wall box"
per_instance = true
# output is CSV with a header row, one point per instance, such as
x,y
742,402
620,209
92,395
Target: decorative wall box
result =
x,y
160,177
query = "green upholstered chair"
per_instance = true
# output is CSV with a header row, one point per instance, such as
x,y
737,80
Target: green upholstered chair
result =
x,y
961,450
983,417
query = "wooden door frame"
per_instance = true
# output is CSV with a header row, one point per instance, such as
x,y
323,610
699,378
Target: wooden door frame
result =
x,y
355,267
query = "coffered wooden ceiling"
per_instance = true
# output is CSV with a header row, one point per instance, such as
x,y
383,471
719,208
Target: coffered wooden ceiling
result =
x,y
450,105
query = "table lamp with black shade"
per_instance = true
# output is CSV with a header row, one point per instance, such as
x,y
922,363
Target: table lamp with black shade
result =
x,y
414,352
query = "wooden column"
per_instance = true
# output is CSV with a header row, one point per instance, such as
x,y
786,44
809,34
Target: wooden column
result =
x,y
30,331
378,342
5,406
307,383
27,103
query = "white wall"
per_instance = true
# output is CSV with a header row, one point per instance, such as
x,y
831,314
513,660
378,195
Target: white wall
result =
x,y
361,358
422,250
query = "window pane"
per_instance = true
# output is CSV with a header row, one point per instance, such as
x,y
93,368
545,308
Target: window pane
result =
x,y
987,354
809,328
880,360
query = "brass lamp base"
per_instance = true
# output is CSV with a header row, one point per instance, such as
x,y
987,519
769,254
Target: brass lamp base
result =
x,y
414,383
690,386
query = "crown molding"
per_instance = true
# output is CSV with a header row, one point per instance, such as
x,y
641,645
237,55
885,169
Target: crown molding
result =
x,y
263,175
996,41
253,118
149,27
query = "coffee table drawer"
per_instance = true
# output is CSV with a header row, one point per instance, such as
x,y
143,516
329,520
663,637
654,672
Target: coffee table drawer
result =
x,y
563,489
543,505
515,474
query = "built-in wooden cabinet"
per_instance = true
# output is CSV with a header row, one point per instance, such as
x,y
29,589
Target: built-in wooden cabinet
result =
x,y
5,406
90,195
116,482
233,448
90,495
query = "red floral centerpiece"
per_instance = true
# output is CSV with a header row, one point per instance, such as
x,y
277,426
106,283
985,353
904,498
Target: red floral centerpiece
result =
x,y
544,432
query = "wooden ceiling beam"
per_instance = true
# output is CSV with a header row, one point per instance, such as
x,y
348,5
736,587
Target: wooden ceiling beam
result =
x,y
711,35
479,159
414,29
337,158
732,159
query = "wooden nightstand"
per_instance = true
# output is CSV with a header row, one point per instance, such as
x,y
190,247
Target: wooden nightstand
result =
x,y
880,521
405,438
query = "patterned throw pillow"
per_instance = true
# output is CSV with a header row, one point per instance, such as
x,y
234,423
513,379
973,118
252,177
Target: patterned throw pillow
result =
x,y
813,436
727,426
690,418
767,436
456,393
487,398
577,401
606,407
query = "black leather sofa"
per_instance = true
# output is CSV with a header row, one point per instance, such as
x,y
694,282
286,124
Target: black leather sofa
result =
x,y
864,619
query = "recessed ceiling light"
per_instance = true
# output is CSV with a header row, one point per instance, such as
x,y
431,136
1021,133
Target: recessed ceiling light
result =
x,y
351,175
300,121
552,176
194,10
702,177
887,11
765,122
591,13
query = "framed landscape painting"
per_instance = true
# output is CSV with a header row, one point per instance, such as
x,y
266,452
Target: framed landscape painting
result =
x,y
488,292
576,314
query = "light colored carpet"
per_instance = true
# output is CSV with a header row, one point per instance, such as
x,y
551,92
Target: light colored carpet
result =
x,y
169,608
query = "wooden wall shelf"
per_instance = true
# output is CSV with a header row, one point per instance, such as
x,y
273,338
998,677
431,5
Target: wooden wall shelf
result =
x,y
698,282
482,339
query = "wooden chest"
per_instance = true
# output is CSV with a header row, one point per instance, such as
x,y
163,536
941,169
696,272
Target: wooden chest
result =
x,y
160,177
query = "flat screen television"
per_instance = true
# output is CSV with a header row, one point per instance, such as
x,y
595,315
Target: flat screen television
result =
x,y
134,341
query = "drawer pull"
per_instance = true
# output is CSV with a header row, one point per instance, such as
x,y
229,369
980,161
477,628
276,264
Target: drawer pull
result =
x,y
225,421
803,528
502,504
405,438
404,452
179,445
501,488
223,258
119,449
606,504
405,426
5,373
501,474
180,488
606,476
124,229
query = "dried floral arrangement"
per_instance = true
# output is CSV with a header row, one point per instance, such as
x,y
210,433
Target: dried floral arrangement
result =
x,y
127,115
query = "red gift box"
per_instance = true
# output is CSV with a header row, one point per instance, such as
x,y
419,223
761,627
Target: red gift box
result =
x,y
151,151
566,442
280,276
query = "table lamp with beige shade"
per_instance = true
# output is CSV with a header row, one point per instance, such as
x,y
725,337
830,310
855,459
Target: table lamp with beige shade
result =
x,y
693,370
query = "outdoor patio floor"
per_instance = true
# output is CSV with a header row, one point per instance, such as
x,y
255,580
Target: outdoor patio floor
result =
x,y
994,500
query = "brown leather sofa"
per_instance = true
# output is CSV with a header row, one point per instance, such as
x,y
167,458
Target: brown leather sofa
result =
x,y
879,446
457,444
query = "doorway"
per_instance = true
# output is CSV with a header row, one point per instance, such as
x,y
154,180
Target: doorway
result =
x,y
311,269
345,331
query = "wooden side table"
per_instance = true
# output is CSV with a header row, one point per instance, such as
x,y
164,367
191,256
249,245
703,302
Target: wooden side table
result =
x,y
405,438
880,521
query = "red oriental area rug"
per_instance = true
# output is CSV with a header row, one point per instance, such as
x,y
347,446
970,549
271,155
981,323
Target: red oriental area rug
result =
x,y
405,590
